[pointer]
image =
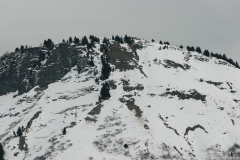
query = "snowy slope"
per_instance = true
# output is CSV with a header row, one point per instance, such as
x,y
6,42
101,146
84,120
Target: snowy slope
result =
x,y
173,105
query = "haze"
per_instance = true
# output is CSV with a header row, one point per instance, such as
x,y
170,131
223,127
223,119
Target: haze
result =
x,y
212,25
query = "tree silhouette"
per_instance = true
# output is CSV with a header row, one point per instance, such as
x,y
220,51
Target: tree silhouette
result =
x,y
206,53
198,49
17,49
19,132
1,152
64,131
104,93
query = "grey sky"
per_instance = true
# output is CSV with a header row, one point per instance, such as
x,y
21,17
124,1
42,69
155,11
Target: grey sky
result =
x,y
210,24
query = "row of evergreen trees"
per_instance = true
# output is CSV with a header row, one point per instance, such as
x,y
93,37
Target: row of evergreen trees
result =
x,y
166,43
206,53
84,40
121,40
21,48
216,55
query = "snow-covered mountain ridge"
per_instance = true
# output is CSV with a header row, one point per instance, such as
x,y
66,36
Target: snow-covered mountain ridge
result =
x,y
165,104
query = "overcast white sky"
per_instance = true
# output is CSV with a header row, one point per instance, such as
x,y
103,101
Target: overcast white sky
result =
x,y
210,24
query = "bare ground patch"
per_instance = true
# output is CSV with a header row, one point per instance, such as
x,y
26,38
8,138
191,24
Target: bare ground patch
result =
x,y
131,106
193,94
172,64
36,115
96,110
88,119
138,87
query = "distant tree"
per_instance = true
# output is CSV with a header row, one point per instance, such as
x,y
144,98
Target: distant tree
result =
x,y
48,44
153,40
1,152
198,49
159,48
127,40
181,46
206,53
237,64
91,37
112,37
63,41
96,80
14,134
22,47
76,40
97,40
121,40
104,93
64,131
23,129
231,61
225,57
84,40
70,40
19,132
91,62
106,69
191,49
160,42
26,46
17,49
105,40
167,43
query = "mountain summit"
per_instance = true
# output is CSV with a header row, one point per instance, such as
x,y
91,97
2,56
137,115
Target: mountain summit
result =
x,y
118,98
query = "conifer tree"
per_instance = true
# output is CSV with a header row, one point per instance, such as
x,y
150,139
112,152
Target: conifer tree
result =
x,y
19,132
181,46
17,49
237,64
84,40
1,152
64,131
91,62
106,69
198,49
70,40
206,53
23,129
48,44
104,93
22,47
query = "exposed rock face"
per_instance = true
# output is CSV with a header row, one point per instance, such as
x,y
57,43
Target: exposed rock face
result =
x,y
37,66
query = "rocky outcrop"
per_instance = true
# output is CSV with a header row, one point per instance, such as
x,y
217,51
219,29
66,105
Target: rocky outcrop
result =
x,y
38,66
